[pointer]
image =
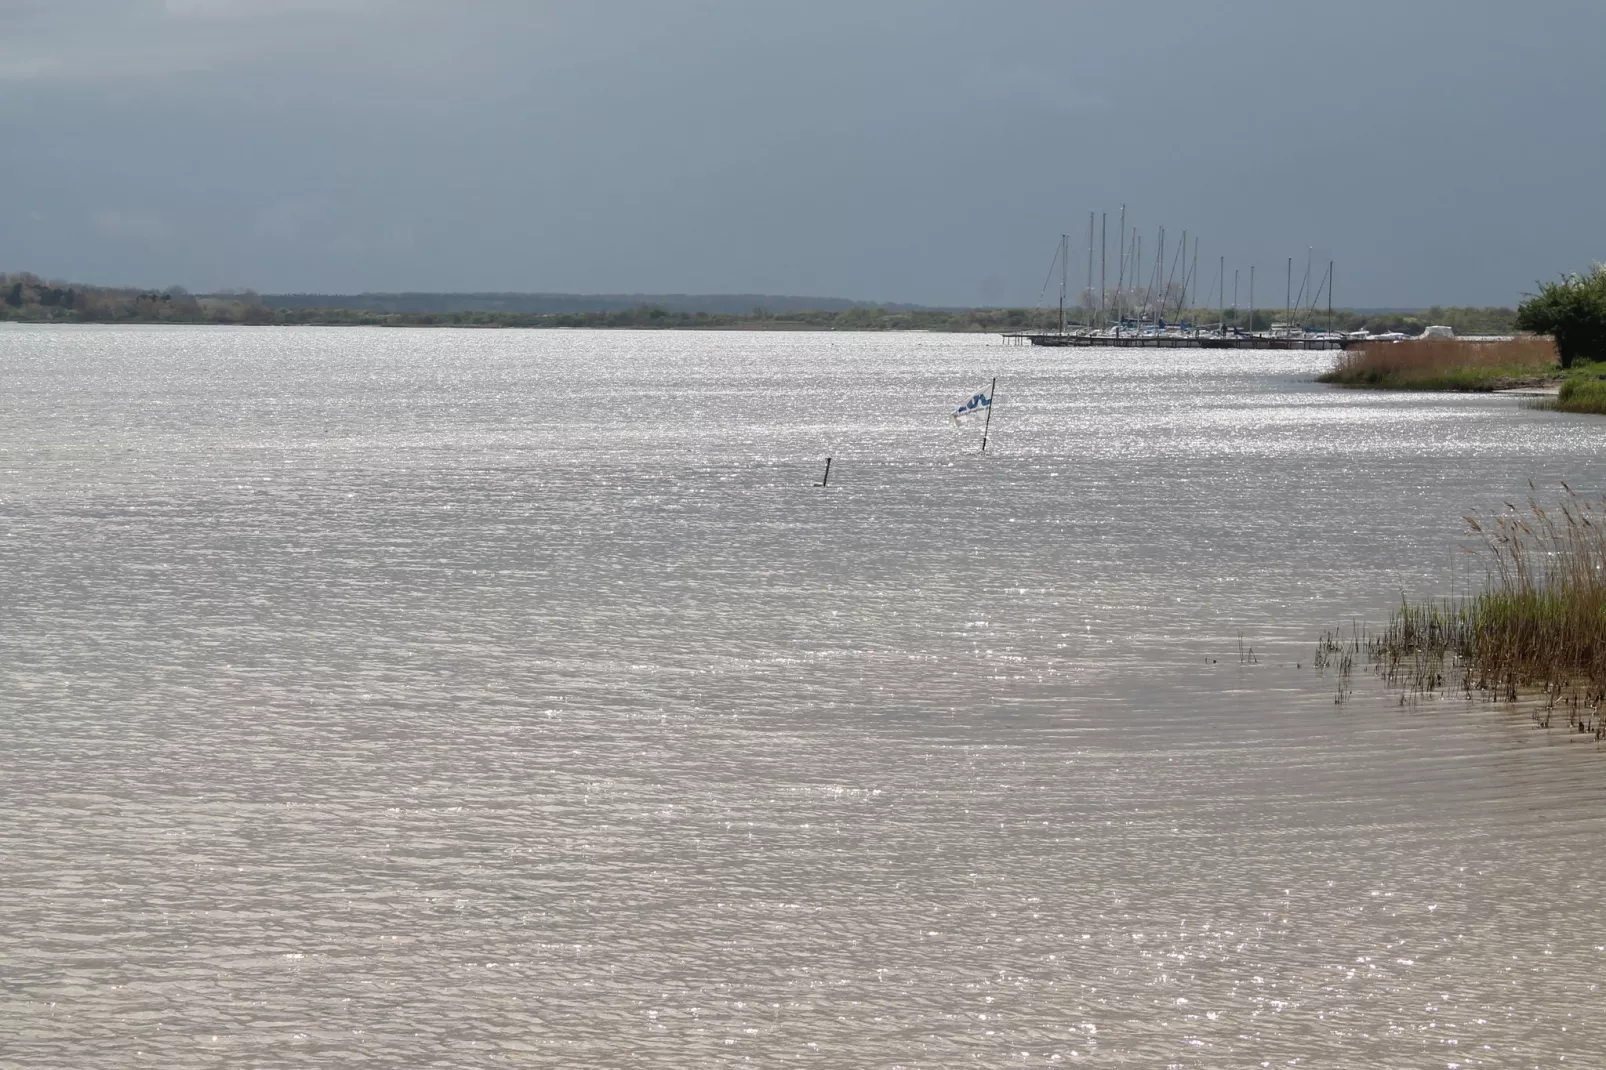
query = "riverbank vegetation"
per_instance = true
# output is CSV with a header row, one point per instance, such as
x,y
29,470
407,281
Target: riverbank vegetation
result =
x,y
1584,390
1567,319
29,298
1537,626
1448,364
1571,310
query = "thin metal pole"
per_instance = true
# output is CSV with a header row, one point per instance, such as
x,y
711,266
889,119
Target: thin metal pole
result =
x,y
1288,299
1136,272
992,392
1131,277
1182,301
1195,272
1065,255
1090,267
1251,299
1303,285
1171,276
1104,249
1187,281
1222,293
1159,266
827,478
1190,277
1235,296
1329,297
1148,287
1161,288
1120,277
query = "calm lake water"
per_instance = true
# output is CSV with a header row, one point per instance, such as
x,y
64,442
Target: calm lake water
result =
x,y
435,698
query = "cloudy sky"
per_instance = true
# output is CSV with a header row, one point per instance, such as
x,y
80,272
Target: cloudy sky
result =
x,y
1442,151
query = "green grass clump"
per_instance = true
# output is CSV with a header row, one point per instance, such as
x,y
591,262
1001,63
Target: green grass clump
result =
x,y
1466,380
1584,390
1587,395
1539,624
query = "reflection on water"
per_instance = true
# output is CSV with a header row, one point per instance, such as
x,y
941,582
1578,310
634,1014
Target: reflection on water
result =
x,y
456,697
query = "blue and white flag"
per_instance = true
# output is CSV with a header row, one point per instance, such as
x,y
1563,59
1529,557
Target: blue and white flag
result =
x,y
979,403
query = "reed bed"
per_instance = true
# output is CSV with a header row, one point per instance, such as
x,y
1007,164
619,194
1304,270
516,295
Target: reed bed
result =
x,y
1447,364
1537,627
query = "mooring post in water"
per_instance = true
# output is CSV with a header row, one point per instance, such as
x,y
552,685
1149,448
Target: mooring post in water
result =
x,y
987,423
827,478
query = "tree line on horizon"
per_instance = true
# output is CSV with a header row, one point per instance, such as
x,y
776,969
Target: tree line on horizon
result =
x,y
29,298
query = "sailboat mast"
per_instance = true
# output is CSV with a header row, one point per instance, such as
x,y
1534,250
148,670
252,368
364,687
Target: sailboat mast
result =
x,y
1251,299
1188,280
1222,293
1136,272
1183,300
1303,289
1159,266
1148,285
1089,292
1195,272
1104,249
1065,247
1120,274
1288,299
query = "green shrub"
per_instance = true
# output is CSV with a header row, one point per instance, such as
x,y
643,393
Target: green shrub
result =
x,y
1573,312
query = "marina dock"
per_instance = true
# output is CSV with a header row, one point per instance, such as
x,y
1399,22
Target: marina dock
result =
x,y
1178,340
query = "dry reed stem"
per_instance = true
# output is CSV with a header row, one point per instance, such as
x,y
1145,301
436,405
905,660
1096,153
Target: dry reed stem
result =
x,y
1430,355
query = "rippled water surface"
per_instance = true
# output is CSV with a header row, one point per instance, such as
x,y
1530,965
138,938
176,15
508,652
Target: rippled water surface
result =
x,y
430,698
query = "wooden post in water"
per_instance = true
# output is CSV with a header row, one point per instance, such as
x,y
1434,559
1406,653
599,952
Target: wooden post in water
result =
x,y
992,392
827,478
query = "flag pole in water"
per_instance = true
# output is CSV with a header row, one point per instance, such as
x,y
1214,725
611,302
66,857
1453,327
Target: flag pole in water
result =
x,y
988,423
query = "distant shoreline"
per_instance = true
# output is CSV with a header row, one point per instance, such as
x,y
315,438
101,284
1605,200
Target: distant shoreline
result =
x,y
29,298
774,327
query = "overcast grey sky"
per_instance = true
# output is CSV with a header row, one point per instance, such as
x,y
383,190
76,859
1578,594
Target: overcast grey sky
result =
x,y
1443,151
